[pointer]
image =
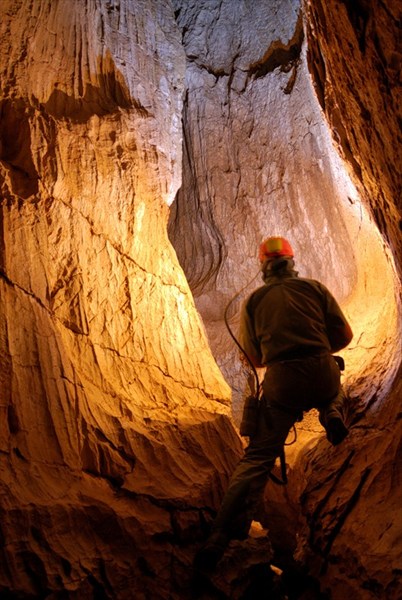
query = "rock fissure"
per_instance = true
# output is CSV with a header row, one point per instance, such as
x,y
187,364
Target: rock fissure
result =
x,y
121,252
183,383
341,518
334,481
280,55
14,284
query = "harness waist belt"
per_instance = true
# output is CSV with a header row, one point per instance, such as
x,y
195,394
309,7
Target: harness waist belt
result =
x,y
299,355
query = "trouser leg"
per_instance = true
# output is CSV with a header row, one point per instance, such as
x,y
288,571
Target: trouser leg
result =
x,y
336,408
332,417
249,477
251,473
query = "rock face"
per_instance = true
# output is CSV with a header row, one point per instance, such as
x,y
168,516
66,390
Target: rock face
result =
x,y
355,58
108,388
258,161
353,53
116,434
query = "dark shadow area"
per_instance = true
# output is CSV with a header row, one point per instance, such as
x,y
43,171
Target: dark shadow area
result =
x,y
110,95
15,146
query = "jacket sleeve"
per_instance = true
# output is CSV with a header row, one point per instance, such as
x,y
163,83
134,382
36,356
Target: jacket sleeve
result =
x,y
247,338
338,329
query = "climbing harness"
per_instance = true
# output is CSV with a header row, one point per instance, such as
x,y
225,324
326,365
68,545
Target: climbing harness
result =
x,y
251,404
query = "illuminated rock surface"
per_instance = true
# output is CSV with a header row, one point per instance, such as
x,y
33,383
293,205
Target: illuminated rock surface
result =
x,y
108,388
258,161
116,438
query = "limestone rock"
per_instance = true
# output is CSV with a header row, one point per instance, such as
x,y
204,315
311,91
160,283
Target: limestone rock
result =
x,y
258,160
108,389
116,435
355,57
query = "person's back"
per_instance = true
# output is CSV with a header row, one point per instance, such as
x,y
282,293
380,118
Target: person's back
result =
x,y
289,318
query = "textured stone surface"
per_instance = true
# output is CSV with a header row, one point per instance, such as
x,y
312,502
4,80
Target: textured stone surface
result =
x,y
258,161
108,389
359,90
355,59
351,540
116,441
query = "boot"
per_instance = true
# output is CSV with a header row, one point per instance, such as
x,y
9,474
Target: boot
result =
x,y
208,556
336,430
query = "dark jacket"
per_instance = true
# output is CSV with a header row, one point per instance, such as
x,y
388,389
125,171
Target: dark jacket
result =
x,y
291,317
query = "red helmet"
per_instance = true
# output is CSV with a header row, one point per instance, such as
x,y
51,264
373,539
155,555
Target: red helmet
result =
x,y
273,247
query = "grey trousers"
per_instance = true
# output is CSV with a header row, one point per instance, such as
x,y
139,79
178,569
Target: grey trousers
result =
x,y
290,388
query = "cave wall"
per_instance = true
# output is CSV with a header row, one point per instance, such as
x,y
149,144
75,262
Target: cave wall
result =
x,y
116,436
355,59
108,388
259,160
